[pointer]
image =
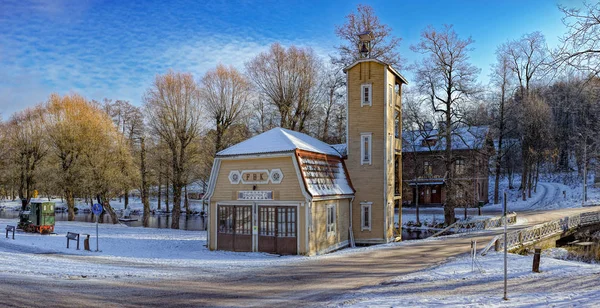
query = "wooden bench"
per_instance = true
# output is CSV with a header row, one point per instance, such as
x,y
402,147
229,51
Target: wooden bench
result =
x,y
10,228
73,237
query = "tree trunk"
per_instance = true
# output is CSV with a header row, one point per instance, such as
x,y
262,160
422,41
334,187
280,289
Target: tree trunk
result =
x,y
126,197
70,204
159,183
186,202
530,179
144,190
111,212
177,188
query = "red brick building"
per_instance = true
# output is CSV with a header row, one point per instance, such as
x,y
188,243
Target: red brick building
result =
x,y
424,173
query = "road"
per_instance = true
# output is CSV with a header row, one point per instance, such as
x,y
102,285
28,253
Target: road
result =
x,y
311,283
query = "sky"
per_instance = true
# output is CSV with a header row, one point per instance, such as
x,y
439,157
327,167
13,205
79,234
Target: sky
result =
x,y
114,49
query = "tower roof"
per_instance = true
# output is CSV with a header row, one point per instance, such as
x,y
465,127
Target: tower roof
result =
x,y
279,140
380,62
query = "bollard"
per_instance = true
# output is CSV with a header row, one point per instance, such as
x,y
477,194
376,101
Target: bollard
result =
x,y
536,260
86,242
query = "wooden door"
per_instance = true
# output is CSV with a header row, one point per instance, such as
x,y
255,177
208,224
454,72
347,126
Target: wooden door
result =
x,y
235,228
436,194
277,230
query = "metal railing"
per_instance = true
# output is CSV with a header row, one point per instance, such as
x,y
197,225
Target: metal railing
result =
x,y
527,236
466,226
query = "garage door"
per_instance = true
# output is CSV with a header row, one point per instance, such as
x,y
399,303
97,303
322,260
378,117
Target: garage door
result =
x,y
235,228
277,230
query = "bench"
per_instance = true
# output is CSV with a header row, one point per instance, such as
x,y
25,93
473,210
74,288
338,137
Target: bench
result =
x,y
10,228
73,237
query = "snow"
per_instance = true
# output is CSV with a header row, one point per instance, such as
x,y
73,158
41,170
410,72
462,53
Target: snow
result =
x,y
455,284
279,140
463,138
324,177
124,252
549,196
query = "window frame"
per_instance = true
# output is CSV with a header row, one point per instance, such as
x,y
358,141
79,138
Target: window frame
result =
x,y
367,206
331,219
427,168
459,168
362,95
391,95
364,161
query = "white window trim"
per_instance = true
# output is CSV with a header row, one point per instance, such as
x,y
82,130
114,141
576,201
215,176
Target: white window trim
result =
x,y
364,205
331,228
362,148
391,95
362,95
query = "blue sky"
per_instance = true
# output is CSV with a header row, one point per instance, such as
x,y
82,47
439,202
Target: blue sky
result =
x,y
114,49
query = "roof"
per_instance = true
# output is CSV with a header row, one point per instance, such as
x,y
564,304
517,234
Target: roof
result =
x,y
279,140
342,148
324,175
380,62
463,138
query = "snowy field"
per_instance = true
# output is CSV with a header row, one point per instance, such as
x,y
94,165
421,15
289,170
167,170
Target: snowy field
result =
x,y
124,252
455,284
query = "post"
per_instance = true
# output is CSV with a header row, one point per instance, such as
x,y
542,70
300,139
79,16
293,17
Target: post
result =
x,y
505,251
584,172
536,260
97,233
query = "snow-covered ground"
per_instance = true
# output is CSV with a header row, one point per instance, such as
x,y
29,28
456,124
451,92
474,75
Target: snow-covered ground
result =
x,y
124,252
550,195
454,283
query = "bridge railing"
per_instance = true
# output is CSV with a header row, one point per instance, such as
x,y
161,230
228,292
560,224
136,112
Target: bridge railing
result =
x,y
527,236
468,226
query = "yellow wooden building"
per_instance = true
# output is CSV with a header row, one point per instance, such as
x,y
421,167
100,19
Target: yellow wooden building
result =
x,y
288,193
279,192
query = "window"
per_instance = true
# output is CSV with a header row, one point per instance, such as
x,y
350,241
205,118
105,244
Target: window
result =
x,y
459,166
365,148
366,95
427,168
391,96
391,147
331,219
365,216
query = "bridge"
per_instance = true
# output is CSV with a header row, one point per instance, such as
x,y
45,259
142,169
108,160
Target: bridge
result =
x,y
546,235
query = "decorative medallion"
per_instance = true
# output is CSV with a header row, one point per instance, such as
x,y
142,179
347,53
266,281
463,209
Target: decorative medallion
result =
x,y
276,176
234,177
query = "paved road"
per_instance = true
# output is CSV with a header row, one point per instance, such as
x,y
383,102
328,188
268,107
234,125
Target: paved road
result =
x,y
312,283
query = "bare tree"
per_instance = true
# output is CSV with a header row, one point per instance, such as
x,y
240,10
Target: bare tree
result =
x,y
383,47
27,140
448,78
501,73
225,92
174,114
333,84
528,62
289,80
581,44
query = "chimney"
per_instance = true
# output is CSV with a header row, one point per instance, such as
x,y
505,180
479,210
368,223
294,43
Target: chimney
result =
x,y
441,127
428,126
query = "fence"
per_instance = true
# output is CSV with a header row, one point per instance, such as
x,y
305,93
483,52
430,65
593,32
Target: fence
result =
x,y
462,226
527,236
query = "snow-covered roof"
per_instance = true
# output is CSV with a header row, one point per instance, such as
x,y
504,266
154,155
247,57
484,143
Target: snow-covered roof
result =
x,y
463,138
342,148
279,140
324,175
